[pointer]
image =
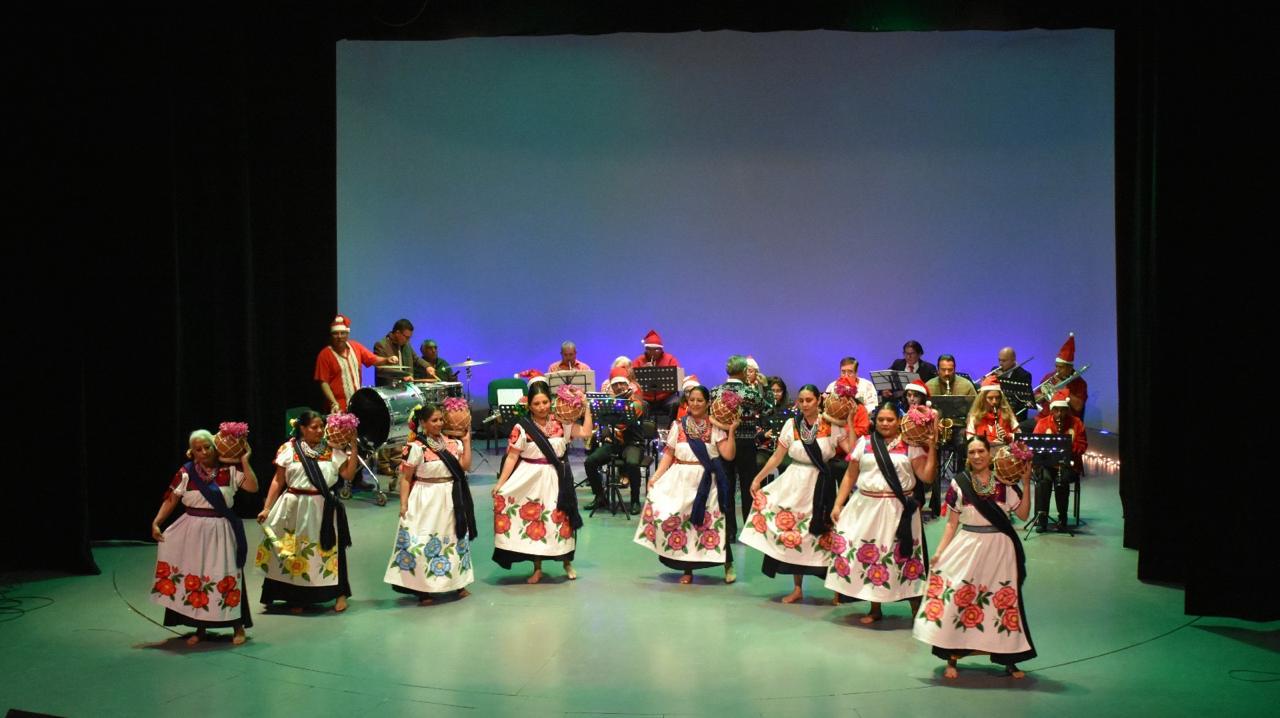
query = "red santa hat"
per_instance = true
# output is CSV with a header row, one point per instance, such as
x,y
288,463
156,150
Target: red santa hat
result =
x,y
618,375
1062,399
917,386
532,376
652,340
1067,354
690,382
990,384
340,323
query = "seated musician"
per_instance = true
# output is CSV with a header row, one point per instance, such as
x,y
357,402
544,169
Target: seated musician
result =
x,y
1059,476
612,440
395,345
338,365
655,354
625,363
991,416
436,369
1007,368
866,390
912,361
1064,367
947,383
568,359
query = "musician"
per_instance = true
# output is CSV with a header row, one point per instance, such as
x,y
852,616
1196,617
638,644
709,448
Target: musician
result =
x,y
866,390
1064,366
755,378
911,361
612,440
1061,475
437,369
396,345
775,416
655,355
338,365
742,469
625,363
568,359
947,383
991,416
1007,368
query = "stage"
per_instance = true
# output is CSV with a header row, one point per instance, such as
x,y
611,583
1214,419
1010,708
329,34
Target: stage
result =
x,y
627,639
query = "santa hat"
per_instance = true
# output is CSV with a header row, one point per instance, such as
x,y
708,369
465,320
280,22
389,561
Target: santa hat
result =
x,y
690,382
751,362
1062,399
990,384
1067,354
340,324
652,340
618,375
532,376
917,386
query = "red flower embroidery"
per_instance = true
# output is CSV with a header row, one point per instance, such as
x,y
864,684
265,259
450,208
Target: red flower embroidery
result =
x,y
499,504
877,574
785,520
671,524
935,586
759,501
824,541
1005,598
965,595
162,569
232,599
710,539
1011,621
531,511
971,616
226,584
536,531
933,609
165,587
565,530
191,582
790,539
501,524
758,523
676,540
647,516
558,516
198,599
650,533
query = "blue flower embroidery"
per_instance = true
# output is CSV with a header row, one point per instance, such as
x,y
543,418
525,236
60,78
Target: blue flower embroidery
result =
x,y
439,565
402,539
466,560
433,547
406,561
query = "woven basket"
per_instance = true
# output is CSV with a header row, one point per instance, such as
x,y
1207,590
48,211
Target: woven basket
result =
x,y
722,414
837,409
1007,468
340,437
229,448
914,434
457,423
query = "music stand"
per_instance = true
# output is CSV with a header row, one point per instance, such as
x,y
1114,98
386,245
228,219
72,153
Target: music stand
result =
x,y
892,380
583,379
659,379
1050,449
608,411
1019,395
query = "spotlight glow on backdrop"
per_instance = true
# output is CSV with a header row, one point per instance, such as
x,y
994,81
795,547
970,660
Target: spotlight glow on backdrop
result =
x,y
799,196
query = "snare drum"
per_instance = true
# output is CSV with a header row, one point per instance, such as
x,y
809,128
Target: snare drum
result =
x,y
384,413
437,391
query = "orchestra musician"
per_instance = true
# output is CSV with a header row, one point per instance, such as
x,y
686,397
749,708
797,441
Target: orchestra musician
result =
x,y
911,361
1064,368
655,354
1059,476
395,345
568,359
1007,368
625,363
610,443
436,369
991,416
338,365
866,390
947,383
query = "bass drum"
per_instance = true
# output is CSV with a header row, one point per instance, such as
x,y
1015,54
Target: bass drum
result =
x,y
384,413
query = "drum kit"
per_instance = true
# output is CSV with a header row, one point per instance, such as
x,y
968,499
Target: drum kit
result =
x,y
384,411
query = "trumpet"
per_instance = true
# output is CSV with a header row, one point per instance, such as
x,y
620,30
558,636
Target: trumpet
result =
x,y
945,428
1045,391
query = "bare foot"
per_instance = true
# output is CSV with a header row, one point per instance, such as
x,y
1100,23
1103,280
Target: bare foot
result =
x,y
340,605
569,572
239,638
463,593
794,596
950,671
196,637
870,618
835,600
536,577
1014,672
426,601
686,579
729,575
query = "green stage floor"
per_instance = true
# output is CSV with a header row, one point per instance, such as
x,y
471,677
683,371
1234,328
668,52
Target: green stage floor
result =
x,y
626,640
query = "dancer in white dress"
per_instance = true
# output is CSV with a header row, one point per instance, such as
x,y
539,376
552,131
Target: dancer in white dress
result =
x,y
200,557
687,519
304,552
536,488
871,561
790,519
973,604
432,551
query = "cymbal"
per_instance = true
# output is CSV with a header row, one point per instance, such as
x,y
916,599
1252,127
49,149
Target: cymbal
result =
x,y
467,363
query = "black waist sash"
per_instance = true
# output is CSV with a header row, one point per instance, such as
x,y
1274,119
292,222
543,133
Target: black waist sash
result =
x,y
566,498
909,505
213,495
999,519
464,510
712,469
824,489
334,511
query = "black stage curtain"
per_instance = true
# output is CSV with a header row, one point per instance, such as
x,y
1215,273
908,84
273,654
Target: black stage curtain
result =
x,y
201,202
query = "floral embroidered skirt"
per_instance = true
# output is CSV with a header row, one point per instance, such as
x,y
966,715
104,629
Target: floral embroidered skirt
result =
x,y
778,525
864,547
197,580
972,601
667,529
527,526
428,556
298,570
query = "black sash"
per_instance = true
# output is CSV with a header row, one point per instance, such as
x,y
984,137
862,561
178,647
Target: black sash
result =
x,y
909,506
711,469
213,495
999,519
332,507
566,498
464,510
824,487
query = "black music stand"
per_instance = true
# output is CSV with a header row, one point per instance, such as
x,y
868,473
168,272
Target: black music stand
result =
x,y
613,410
1019,395
583,379
659,379
892,380
1052,449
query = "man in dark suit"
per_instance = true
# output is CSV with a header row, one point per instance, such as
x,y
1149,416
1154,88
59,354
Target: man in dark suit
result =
x,y
1005,369
911,361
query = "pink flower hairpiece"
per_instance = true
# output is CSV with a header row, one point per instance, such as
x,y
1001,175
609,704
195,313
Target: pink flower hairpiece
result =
x,y
1019,451
570,395
234,429
454,403
730,399
342,422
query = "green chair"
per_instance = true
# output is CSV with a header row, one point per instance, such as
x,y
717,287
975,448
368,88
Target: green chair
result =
x,y
497,426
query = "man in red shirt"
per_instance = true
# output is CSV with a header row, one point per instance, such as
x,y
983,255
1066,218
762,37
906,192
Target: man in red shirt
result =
x,y
1064,366
1059,477
338,365
656,355
568,359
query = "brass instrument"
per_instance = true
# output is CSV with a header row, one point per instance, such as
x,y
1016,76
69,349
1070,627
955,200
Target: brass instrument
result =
x,y
999,374
945,428
1046,390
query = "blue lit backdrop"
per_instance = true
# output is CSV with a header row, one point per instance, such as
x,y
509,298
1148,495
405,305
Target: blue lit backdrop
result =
x,y
796,196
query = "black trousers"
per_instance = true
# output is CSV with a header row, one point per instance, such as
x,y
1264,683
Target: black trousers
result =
x,y
1059,484
741,471
602,455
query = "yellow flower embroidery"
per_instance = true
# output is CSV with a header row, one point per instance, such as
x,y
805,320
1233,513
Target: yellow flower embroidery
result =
x,y
264,555
296,566
331,565
287,545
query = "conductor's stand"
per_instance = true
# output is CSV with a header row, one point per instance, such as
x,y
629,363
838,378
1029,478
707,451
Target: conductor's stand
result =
x,y
1054,472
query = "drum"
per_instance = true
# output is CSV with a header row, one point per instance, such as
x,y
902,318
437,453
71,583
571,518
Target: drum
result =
x,y
437,392
384,413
